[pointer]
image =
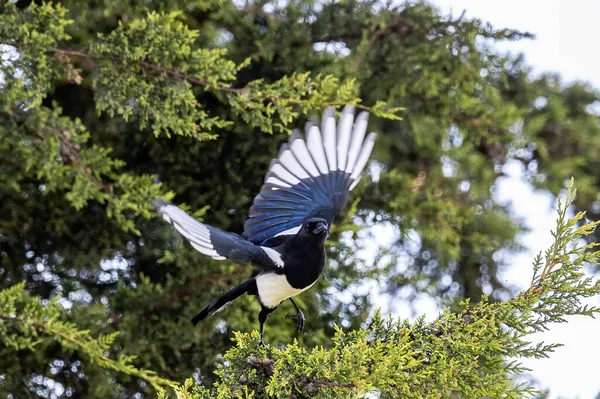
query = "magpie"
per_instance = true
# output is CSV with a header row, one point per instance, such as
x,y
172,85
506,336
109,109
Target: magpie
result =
x,y
284,237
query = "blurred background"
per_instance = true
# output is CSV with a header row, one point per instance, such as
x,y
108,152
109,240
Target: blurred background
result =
x,y
501,109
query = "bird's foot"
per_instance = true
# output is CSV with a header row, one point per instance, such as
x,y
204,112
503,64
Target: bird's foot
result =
x,y
300,320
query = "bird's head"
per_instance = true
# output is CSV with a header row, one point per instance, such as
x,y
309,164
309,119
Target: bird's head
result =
x,y
316,227
310,239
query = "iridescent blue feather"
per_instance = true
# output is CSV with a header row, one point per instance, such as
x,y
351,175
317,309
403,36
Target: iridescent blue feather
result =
x,y
311,176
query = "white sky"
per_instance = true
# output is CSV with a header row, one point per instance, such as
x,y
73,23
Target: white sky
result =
x,y
566,33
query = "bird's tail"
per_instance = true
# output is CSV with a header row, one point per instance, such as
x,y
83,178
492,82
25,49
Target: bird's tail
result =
x,y
224,300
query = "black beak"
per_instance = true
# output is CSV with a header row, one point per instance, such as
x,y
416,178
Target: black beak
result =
x,y
321,227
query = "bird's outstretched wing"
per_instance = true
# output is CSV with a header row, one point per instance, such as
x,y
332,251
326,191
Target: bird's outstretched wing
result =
x,y
217,244
311,176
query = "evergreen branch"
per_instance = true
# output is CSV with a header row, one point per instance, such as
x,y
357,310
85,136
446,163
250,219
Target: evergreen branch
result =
x,y
164,100
72,153
25,323
61,158
172,72
559,253
243,91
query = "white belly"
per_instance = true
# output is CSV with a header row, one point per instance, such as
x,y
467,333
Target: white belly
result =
x,y
274,288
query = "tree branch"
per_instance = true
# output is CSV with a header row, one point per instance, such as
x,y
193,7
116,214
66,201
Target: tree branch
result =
x,y
172,72
310,385
177,74
88,345
72,153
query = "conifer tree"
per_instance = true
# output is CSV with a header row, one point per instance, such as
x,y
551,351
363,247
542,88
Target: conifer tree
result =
x,y
107,105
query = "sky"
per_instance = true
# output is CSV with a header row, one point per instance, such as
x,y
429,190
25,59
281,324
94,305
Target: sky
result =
x,y
564,44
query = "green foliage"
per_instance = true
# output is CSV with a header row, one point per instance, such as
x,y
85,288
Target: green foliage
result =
x,y
145,48
37,28
53,148
27,324
105,105
164,98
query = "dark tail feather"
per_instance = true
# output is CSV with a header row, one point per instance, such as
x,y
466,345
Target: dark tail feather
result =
x,y
219,303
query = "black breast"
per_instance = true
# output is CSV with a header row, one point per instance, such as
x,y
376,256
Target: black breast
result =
x,y
303,258
302,271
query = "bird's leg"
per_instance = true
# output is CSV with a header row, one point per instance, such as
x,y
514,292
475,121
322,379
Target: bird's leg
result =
x,y
299,316
262,317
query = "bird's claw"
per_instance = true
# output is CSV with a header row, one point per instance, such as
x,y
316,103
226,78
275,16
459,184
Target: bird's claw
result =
x,y
300,320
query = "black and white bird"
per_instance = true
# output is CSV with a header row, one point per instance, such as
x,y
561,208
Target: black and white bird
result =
x,y
284,236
